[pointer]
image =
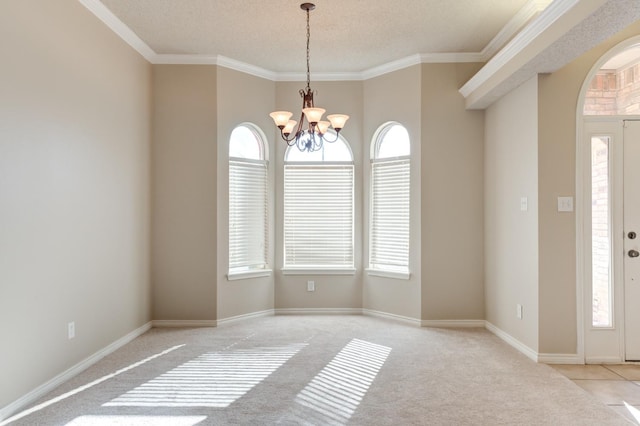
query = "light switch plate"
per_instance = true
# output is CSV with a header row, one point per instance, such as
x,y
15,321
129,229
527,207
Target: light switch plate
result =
x,y
565,204
524,204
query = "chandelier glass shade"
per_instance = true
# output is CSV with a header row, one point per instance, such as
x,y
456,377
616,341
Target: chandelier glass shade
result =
x,y
309,137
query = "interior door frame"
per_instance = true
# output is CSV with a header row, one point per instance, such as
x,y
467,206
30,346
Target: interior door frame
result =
x,y
582,213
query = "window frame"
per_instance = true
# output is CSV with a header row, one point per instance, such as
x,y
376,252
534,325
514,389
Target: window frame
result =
x,y
238,163
376,268
289,268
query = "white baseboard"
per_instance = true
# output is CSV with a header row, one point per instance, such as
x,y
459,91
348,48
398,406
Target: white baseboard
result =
x,y
387,315
237,318
318,311
530,353
560,359
47,387
526,350
453,323
184,323
604,360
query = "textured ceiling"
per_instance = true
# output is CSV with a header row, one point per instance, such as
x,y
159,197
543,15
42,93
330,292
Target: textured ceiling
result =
x,y
346,35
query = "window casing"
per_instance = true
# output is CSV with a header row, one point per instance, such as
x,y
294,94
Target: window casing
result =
x,y
389,218
248,204
319,210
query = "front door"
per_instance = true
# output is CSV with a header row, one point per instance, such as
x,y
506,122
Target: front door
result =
x,y
631,239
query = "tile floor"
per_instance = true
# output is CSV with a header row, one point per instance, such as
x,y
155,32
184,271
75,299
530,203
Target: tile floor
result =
x,y
617,386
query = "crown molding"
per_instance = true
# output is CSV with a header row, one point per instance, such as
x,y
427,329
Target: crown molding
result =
x,y
117,26
390,67
523,39
166,59
319,76
532,8
528,12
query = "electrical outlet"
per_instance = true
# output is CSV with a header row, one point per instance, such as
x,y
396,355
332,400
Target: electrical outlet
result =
x,y
519,311
71,330
524,204
311,286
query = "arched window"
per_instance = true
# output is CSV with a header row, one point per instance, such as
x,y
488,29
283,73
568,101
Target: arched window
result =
x,y
389,227
318,208
248,218
613,89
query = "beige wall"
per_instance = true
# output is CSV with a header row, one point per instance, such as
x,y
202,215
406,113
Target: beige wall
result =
x,y
242,98
332,291
451,196
74,190
394,97
511,235
184,158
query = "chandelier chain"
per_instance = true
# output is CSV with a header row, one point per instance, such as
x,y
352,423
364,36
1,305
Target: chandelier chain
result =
x,y
308,52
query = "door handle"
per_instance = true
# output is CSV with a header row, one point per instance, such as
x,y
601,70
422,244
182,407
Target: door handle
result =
x,y
634,253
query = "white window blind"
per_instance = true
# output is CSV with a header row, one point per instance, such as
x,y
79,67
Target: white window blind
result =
x,y
389,233
318,215
248,227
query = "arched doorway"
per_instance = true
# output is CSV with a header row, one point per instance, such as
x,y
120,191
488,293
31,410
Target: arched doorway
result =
x,y
608,142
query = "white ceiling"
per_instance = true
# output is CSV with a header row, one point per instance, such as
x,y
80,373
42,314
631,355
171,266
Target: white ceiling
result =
x,y
346,35
358,39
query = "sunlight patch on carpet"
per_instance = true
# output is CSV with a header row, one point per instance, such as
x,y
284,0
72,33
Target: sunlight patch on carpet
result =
x,y
335,392
633,410
214,379
85,387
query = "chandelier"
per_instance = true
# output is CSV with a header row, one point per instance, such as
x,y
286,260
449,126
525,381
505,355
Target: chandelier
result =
x,y
314,135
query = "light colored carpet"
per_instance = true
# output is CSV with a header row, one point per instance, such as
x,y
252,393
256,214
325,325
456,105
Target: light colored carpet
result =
x,y
317,370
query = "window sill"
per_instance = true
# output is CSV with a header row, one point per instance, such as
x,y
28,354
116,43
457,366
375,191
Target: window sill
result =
x,y
318,271
234,276
389,274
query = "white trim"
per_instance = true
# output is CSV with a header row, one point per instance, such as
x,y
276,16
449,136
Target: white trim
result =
x,y
389,316
67,375
243,317
389,274
223,61
318,311
180,59
332,271
526,350
604,360
391,66
184,323
524,15
320,76
454,323
256,273
560,359
523,39
117,26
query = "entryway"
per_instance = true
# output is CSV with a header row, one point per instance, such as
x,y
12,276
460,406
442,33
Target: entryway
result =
x,y
609,175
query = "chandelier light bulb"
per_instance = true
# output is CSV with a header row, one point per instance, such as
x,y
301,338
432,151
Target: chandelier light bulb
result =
x,y
289,127
281,118
313,115
323,126
338,120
